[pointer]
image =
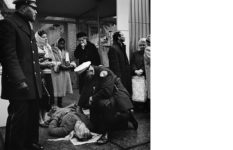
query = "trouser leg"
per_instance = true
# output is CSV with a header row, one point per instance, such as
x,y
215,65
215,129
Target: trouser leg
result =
x,y
59,101
8,124
33,135
103,117
17,124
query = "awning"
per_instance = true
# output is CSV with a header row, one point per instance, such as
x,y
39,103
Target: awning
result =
x,y
77,8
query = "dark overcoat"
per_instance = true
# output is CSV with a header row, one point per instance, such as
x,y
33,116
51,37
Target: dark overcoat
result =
x,y
137,62
119,64
19,59
89,53
109,97
107,87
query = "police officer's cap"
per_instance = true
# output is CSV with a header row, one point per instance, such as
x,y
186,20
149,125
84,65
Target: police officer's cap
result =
x,y
83,67
25,2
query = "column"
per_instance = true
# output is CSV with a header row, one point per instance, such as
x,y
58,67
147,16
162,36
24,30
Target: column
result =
x,y
123,7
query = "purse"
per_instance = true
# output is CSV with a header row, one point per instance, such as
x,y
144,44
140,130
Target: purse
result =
x,y
139,89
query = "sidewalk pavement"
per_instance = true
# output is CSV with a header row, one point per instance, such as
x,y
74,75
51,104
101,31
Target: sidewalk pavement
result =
x,y
119,140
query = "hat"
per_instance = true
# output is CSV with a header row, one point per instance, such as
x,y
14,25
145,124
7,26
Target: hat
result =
x,y
26,2
81,34
81,68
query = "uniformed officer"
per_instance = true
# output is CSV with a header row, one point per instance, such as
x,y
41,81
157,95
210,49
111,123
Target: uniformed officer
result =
x,y
108,100
21,78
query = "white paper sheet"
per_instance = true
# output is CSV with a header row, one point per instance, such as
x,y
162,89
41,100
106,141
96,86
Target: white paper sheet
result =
x,y
75,141
94,138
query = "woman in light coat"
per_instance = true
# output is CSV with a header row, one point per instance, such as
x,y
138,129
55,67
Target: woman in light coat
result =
x,y
60,74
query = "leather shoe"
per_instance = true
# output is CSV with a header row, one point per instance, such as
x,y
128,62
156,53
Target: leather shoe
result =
x,y
102,140
36,146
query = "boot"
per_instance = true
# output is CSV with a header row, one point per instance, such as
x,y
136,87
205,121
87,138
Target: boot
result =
x,y
133,120
103,139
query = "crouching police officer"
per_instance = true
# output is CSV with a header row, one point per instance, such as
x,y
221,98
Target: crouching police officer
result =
x,y
108,100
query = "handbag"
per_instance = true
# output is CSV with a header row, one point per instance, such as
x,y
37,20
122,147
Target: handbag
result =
x,y
139,89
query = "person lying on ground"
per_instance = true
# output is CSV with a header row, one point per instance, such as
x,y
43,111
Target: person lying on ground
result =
x,y
64,120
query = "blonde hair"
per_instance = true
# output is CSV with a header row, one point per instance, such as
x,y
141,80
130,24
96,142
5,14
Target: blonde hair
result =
x,y
141,40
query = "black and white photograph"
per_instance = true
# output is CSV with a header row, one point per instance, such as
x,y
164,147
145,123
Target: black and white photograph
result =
x,y
80,75
75,74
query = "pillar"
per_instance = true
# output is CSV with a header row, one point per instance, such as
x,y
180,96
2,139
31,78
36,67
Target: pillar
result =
x,y
123,20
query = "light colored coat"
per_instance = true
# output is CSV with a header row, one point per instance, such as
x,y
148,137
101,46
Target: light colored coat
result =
x,y
61,78
147,68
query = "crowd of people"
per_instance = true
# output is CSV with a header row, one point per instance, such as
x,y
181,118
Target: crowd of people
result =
x,y
36,76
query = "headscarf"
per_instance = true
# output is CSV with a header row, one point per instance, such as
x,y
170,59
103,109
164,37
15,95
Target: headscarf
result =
x,y
41,42
58,54
43,46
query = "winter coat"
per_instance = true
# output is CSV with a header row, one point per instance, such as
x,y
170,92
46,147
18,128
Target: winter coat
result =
x,y
119,64
109,98
107,87
60,78
147,68
89,53
19,59
137,62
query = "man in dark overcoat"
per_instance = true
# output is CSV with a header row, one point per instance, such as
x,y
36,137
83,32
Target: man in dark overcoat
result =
x,y
21,77
118,60
85,51
108,100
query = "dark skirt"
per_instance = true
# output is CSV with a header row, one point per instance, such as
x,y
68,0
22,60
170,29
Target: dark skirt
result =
x,y
48,97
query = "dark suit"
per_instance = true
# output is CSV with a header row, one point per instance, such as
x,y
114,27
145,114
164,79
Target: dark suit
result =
x,y
19,58
89,53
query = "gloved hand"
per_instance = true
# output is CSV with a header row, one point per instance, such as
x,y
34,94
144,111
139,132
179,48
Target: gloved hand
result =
x,y
64,67
73,64
139,72
22,87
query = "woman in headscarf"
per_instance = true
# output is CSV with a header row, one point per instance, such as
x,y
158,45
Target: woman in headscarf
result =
x,y
60,74
46,63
